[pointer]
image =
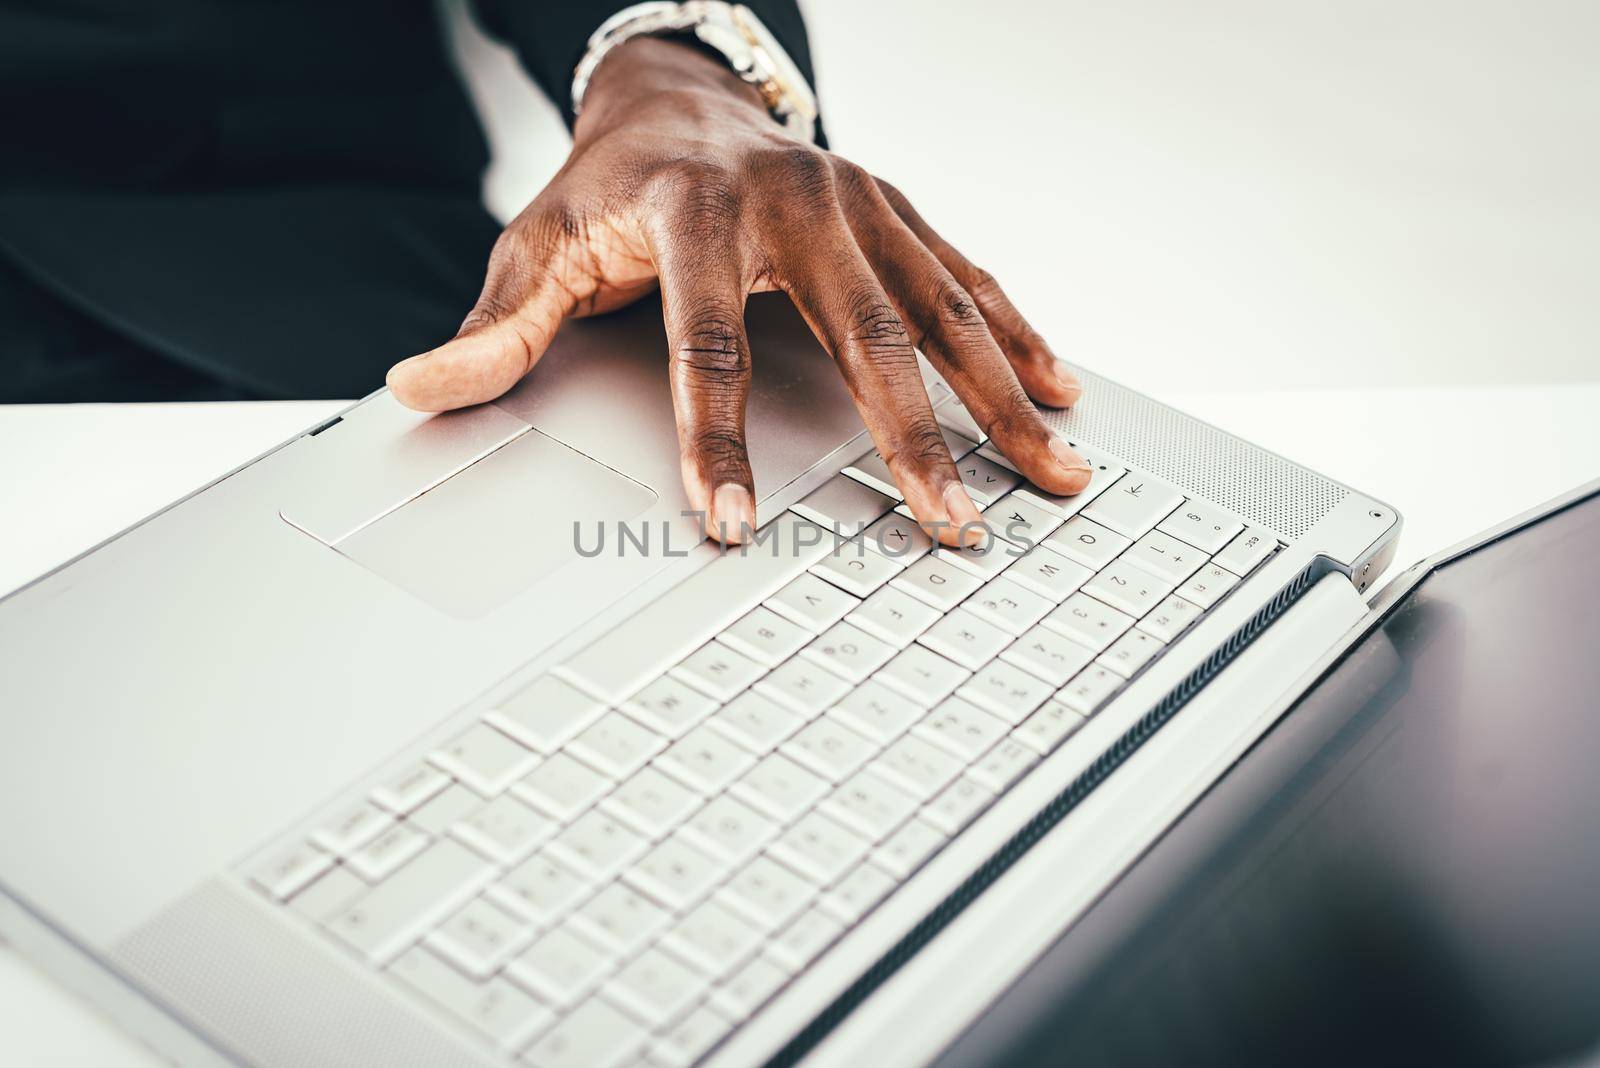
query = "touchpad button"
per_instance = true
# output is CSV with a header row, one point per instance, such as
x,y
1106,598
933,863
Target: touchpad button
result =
x,y
490,532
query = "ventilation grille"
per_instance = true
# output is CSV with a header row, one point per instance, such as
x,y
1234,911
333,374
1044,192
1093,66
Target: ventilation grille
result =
x,y
1267,490
1042,823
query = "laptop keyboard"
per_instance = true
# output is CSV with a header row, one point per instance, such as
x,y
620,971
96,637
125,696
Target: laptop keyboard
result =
x,y
635,851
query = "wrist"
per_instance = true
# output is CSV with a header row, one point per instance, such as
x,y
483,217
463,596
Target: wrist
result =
x,y
651,78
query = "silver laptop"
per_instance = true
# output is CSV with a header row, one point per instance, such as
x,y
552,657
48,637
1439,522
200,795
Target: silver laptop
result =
x,y
439,741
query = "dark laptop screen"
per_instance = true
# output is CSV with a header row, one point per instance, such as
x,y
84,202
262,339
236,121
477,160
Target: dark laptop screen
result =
x,y
1405,871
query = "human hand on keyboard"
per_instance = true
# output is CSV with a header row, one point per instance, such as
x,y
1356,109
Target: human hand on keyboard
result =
x,y
679,176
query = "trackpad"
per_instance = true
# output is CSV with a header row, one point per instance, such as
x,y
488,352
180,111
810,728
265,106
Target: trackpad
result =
x,y
490,532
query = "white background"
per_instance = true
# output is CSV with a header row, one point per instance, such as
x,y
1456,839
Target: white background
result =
x,y
1363,234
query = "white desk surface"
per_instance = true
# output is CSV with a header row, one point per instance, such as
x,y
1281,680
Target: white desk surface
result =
x,y
1453,461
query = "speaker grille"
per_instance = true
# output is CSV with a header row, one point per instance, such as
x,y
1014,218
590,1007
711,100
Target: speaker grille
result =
x,y
1265,489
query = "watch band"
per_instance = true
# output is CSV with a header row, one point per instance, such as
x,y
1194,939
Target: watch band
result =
x,y
734,32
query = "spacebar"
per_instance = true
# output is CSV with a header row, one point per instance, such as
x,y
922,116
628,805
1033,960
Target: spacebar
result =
x,y
647,643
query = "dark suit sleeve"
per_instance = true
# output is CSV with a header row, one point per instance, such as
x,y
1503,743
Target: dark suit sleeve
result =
x,y
550,36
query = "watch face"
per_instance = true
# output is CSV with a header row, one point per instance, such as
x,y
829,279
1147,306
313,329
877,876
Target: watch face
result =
x,y
782,68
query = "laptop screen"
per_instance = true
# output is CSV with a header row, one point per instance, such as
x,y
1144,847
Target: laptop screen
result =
x,y
1405,870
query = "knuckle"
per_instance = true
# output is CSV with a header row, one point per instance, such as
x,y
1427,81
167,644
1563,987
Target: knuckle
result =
x,y
1013,417
799,168
984,284
700,192
874,325
712,346
924,446
721,448
955,309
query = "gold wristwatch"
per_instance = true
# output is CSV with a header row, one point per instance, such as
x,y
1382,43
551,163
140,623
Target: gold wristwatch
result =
x,y
732,31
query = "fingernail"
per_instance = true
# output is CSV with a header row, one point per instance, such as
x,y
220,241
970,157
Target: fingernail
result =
x,y
964,515
733,513
1070,461
1067,380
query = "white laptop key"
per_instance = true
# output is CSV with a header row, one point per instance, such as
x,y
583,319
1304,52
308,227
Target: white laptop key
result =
x,y
285,872
596,845
713,937
812,603
1100,477
1088,621
1170,618
560,966
922,675
747,989
1021,520
965,639
848,651
876,711
1090,689
410,788
894,616
505,830
595,1035
497,1009
691,1037
766,637
844,506
956,416
484,759
1003,765
1006,690
935,581
1128,588
616,745
908,848
829,748
870,804
1007,605
621,918
352,828
957,805
650,641
917,766
1244,553
803,686
539,888
853,896
1206,586
873,471
448,806
670,706
1134,505
730,828
651,802
1206,528
1087,542
819,848
379,858
328,893
856,570
984,560
1165,557
545,714
756,722
1130,652
807,935
986,481
899,538
767,893
394,913
562,787
656,988
1049,654
1049,574
479,937
962,728
1048,728
780,788
705,759
717,670
676,873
